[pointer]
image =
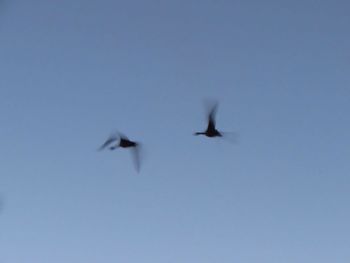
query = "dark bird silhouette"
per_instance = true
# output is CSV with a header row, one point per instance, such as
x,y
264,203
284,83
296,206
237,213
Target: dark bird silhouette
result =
x,y
124,142
211,130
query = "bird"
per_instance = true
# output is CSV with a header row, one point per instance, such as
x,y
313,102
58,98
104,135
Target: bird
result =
x,y
124,142
211,130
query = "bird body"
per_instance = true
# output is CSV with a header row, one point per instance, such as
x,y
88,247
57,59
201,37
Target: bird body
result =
x,y
124,143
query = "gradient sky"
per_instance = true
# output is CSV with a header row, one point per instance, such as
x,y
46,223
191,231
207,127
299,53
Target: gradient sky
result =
x,y
73,71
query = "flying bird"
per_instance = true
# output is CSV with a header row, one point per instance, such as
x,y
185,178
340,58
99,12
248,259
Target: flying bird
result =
x,y
124,142
211,130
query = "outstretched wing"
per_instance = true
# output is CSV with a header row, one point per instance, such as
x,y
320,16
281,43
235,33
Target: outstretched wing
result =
x,y
110,140
232,137
135,152
211,116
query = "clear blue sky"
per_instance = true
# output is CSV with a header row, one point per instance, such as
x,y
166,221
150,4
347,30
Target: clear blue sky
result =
x,y
72,71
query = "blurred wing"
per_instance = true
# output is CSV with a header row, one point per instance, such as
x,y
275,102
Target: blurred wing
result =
x,y
135,152
212,109
110,140
231,137
211,125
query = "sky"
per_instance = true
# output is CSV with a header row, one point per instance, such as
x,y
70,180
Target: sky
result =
x,y
73,71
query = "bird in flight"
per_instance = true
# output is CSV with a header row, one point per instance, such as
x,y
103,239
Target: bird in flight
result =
x,y
123,142
211,130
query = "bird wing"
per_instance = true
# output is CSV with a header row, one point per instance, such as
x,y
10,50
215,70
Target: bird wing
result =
x,y
232,137
211,117
110,140
135,151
